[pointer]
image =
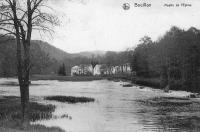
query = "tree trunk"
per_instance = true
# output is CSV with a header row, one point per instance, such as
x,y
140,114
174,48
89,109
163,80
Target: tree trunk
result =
x,y
164,77
23,78
24,89
25,83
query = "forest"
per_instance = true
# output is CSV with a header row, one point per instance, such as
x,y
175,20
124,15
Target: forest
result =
x,y
174,59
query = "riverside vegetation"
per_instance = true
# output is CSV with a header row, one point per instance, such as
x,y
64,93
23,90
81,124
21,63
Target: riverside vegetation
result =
x,y
70,99
10,116
173,60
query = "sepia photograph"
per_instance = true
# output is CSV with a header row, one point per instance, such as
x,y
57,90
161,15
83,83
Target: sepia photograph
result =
x,y
99,66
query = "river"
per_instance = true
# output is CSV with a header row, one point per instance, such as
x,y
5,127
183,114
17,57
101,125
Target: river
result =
x,y
116,108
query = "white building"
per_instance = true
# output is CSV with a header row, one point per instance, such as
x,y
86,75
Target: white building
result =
x,y
97,70
103,69
87,69
127,68
75,70
113,70
81,70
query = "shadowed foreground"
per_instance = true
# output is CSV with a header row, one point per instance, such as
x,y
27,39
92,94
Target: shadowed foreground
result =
x,y
10,116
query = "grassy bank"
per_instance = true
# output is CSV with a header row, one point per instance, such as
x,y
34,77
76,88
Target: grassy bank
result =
x,y
118,77
70,99
150,82
10,116
65,78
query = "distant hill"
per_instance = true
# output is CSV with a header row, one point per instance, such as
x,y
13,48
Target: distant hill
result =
x,y
59,54
41,62
53,52
90,54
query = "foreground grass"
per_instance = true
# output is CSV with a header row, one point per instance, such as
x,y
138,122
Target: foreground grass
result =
x,y
10,116
70,99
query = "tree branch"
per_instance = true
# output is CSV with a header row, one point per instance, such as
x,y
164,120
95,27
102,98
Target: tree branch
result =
x,y
36,4
7,23
4,29
7,34
5,14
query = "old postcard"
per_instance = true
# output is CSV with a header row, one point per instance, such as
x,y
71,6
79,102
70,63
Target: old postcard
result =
x,y
99,65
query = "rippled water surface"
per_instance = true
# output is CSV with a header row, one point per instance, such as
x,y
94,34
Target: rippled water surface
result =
x,y
116,108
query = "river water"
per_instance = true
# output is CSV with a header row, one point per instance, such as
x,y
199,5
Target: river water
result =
x,y
116,108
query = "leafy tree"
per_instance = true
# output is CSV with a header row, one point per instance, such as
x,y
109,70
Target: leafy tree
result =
x,y
93,63
62,70
19,18
141,58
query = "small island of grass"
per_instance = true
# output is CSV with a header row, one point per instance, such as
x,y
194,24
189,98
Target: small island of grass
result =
x,y
70,99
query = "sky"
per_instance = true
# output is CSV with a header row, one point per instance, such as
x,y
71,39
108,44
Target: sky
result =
x,y
88,25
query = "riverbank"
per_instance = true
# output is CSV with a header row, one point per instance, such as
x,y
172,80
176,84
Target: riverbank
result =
x,y
66,78
81,78
149,82
10,116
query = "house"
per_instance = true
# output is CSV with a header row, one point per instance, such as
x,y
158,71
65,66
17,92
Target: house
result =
x,y
126,68
117,69
82,70
86,70
103,69
75,70
113,70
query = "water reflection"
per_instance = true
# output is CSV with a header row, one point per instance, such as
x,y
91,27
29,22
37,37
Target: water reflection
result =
x,y
116,108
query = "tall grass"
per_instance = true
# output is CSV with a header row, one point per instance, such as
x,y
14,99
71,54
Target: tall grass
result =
x,y
10,115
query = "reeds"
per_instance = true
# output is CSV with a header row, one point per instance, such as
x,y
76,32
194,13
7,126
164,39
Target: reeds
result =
x,y
70,99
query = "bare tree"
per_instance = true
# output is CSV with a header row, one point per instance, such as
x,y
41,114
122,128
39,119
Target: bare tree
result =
x,y
19,18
